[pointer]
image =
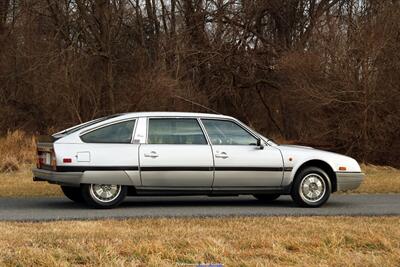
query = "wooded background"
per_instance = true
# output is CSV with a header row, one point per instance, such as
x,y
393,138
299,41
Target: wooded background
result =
x,y
319,72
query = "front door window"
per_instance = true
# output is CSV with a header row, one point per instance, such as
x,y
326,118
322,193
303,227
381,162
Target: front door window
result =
x,y
223,132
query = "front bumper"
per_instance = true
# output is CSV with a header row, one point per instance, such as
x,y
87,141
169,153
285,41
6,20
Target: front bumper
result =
x,y
62,178
349,180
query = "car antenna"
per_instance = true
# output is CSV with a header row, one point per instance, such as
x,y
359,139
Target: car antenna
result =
x,y
197,104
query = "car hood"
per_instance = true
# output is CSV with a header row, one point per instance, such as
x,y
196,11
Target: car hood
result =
x,y
300,154
306,150
296,146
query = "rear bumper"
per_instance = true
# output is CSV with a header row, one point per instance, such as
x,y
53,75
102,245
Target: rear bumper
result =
x,y
62,178
349,180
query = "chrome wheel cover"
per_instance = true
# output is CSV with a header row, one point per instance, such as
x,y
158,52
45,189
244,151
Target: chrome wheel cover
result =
x,y
312,188
104,193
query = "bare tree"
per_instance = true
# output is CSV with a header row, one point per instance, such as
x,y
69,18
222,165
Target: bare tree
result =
x,y
319,72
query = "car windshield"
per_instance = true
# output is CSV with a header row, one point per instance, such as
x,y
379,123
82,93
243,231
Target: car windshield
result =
x,y
85,124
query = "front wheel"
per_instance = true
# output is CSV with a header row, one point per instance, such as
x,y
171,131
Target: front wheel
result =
x,y
103,196
311,188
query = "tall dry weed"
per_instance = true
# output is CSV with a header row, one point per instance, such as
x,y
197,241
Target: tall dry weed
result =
x,y
16,149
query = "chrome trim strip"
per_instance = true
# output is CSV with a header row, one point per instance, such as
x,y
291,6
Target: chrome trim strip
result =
x,y
96,168
169,168
263,169
183,168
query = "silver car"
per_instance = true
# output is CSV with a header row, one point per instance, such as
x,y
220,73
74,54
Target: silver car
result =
x,y
102,161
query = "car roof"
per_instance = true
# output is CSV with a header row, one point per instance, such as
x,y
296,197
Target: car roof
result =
x,y
124,116
170,114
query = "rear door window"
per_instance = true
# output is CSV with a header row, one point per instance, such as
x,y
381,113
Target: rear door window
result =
x,y
175,131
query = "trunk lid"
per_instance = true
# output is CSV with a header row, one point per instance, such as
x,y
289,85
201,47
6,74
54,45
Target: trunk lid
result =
x,y
46,157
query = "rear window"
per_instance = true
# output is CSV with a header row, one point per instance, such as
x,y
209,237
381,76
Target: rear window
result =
x,y
86,124
120,132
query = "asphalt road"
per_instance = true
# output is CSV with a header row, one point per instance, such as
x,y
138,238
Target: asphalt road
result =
x,y
51,208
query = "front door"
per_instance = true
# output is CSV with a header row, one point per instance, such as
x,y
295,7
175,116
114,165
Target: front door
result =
x,y
239,162
176,155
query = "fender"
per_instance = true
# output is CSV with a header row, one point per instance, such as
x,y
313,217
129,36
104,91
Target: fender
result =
x,y
289,176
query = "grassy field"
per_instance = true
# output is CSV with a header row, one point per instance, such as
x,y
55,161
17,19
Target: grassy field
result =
x,y
379,179
17,155
19,183
322,241
237,241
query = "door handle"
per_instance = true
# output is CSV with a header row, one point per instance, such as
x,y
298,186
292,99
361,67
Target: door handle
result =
x,y
152,154
221,155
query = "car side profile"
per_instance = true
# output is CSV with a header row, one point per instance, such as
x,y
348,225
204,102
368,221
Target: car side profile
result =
x,y
102,161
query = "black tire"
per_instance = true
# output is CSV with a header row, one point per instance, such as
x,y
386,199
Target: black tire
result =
x,y
301,198
267,197
73,193
91,200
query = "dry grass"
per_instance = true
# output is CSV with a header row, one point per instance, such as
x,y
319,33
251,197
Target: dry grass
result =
x,y
332,241
19,183
17,155
379,179
322,241
16,149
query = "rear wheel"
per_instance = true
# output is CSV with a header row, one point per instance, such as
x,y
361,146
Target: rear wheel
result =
x,y
103,195
73,193
267,197
311,187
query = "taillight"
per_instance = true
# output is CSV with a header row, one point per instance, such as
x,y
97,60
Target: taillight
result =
x,y
39,160
46,157
53,160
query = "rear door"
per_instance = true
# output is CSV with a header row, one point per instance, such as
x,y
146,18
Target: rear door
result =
x,y
239,162
109,147
176,155
106,154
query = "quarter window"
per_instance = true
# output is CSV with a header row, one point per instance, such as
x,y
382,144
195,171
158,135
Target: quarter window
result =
x,y
175,131
223,132
116,133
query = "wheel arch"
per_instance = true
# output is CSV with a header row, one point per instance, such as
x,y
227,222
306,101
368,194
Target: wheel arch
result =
x,y
322,165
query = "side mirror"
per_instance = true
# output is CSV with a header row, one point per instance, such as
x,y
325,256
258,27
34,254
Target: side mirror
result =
x,y
260,144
